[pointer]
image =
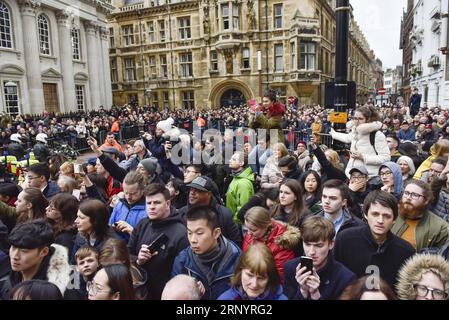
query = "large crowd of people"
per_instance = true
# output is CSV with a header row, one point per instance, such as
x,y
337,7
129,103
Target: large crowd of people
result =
x,y
177,214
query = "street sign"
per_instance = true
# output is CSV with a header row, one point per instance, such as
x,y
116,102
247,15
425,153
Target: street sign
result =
x,y
339,117
381,91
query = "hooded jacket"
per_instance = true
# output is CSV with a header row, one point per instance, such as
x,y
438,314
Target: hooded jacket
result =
x,y
130,214
415,267
240,191
282,240
334,278
159,267
431,231
357,250
411,165
54,268
397,178
359,138
239,294
185,264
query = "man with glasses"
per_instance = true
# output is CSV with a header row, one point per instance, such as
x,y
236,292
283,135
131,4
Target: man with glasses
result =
x,y
38,176
359,188
435,170
415,224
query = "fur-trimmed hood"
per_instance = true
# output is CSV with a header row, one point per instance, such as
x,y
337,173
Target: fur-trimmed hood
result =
x,y
412,271
367,128
289,238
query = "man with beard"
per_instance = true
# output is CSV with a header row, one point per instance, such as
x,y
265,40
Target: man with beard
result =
x,y
415,224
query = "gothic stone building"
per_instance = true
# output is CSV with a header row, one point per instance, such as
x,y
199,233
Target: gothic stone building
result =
x,y
211,53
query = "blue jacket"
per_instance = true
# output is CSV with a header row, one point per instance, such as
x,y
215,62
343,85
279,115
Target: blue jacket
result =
x,y
131,215
51,190
185,264
239,294
409,135
334,278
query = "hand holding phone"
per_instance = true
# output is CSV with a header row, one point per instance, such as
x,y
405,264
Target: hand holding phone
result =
x,y
158,244
76,168
307,262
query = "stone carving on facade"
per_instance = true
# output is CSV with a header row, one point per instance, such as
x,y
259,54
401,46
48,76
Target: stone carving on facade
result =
x,y
229,57
64,18
206,21
91,27
104,33
29,6
251,15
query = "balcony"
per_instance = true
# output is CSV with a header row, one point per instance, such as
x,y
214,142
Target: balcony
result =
x,y
434,61
305,75
228,40
133,7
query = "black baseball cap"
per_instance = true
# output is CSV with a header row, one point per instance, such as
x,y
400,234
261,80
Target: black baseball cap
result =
x,y
203,183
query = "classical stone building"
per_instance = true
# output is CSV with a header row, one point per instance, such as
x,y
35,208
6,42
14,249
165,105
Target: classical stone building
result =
x,y
54,55
210,53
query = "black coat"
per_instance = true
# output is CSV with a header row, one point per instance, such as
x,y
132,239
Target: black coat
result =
x,y
159,268
357,250
229,228
328,170
41,152
51,190
17,150
334,278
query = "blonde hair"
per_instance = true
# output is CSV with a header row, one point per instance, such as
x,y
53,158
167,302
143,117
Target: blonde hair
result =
x,y
334,158
440,148
259,217
67,169
281,147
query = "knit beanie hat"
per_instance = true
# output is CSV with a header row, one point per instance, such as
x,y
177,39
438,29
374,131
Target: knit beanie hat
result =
x,y
150,165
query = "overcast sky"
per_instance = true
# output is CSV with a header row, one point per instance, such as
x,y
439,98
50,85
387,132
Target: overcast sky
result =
x,y
380,22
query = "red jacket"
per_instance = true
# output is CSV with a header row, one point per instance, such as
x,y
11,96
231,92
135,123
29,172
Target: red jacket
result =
x,y
281,241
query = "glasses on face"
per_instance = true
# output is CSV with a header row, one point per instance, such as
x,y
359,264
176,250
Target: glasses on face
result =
x,y
31,177
414,196
385,173
93,289
423,291
357,177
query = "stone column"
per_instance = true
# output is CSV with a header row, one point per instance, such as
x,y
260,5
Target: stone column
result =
x,y
106,67
31,52
66,60
92,63
100,56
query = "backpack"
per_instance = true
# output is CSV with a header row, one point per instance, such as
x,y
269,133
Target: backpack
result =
x,y
372,140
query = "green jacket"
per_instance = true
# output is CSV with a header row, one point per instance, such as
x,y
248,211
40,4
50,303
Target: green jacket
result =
x,y
264,122
431,231
8,215
240,190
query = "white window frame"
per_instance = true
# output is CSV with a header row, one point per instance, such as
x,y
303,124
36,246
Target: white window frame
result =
x,y
278,23
225,16
11,94
161,25
213,60
164,66
76,44
43,29
185,65
185,32
111,38
308,55
246,56
151,32
80,97
235,16
188,100
128,35
130,69
278,57
6,35
152,65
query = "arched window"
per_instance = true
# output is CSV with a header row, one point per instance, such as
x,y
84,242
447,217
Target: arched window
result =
x,y
44,34
5,26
